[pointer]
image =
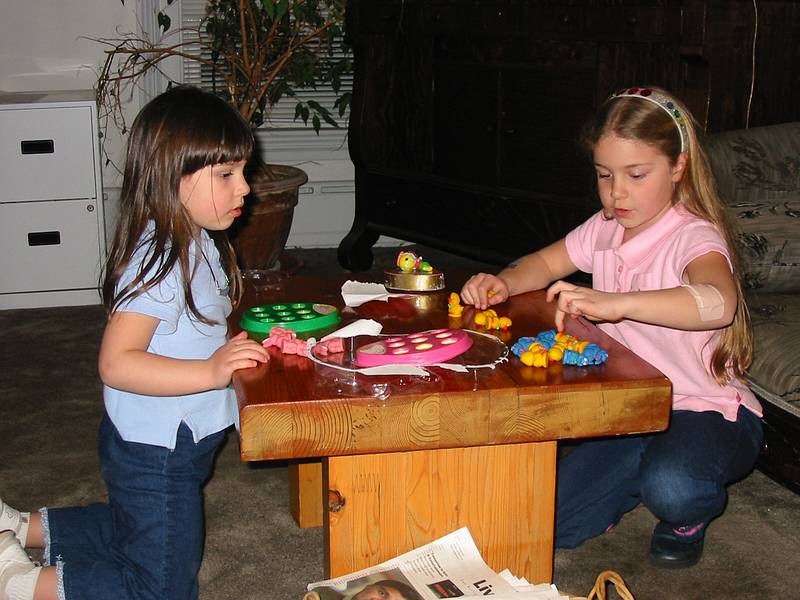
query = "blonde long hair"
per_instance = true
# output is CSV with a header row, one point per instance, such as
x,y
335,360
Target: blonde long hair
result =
x,y
635,118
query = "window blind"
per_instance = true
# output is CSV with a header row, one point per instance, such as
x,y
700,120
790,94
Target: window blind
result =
x,y
192,13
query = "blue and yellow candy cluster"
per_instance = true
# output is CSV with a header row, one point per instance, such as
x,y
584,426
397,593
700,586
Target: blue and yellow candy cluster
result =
x,y
558,346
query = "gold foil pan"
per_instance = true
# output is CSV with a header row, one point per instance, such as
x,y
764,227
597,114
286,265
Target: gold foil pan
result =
x,y
428,301
414,282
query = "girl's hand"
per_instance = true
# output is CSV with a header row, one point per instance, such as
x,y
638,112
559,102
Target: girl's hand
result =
x,y
238,353
484,290
577,301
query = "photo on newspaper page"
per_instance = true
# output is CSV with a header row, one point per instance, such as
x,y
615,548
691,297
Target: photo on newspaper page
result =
x,y
390,584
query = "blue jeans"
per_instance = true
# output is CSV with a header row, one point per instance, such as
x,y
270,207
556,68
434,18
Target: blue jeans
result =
x,y
680,474
147,541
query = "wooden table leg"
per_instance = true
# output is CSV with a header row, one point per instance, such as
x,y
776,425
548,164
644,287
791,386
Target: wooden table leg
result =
x,y
395,502
305,492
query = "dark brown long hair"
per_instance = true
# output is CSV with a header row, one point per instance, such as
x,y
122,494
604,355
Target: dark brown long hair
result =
x,y
175,134
635,118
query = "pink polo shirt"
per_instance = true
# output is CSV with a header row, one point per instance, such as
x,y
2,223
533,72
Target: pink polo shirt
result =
x,y
656,259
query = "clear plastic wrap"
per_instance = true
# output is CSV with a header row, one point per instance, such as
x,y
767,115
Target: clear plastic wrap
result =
x,y
337,373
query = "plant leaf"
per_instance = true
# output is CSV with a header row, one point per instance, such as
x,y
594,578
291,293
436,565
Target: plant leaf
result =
x,y
343,103
301,111
269,7
316,105
330,120
283,6
164,21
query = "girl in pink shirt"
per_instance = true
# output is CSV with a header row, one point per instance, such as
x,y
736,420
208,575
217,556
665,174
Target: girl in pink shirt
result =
x,y
665,284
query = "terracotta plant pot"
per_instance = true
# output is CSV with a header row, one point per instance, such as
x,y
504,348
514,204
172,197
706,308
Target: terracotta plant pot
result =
x,y
259,235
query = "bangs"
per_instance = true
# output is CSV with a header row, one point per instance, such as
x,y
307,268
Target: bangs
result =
x,y
224,138
192,129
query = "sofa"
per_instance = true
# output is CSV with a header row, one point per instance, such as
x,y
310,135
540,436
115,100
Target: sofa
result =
x,y
758,174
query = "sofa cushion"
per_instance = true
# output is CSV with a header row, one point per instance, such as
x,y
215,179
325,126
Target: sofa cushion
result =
x,y
758,174
776,358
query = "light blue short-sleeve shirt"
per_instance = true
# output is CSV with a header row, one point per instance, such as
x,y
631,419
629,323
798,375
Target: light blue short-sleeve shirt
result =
x,y
155,419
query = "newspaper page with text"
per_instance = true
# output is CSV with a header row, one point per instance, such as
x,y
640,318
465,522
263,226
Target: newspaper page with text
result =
x,y
450,567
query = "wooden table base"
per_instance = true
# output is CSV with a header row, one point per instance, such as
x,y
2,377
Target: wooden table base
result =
x,y
305,492
475,450
394,502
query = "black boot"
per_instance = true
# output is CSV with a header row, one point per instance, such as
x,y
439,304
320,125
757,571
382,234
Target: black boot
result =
x,y
676,548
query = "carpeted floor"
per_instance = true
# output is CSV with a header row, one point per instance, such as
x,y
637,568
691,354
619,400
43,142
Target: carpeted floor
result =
x,y
51,402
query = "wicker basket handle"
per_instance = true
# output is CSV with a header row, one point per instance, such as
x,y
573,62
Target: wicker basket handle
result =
x,y
599,589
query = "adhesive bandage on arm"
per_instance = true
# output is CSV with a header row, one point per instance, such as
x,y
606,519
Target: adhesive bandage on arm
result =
x,y
710,303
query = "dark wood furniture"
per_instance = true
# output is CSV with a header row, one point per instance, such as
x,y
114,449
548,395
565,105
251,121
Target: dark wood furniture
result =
x,y
465,113
474,449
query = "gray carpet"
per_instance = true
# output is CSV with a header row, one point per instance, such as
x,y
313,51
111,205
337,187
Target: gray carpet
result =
x,y
52,404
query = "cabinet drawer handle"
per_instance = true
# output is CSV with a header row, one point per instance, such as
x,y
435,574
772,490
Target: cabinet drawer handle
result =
x,y
44,238
37,146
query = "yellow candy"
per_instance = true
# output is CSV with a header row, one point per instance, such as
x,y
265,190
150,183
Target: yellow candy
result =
x,y
488,318
406,261
454,308
538,355
540,360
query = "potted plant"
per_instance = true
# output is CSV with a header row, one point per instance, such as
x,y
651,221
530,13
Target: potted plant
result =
x,y
254,53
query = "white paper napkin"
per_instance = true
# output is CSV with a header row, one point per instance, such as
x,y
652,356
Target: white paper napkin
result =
x,y
360,327
356,293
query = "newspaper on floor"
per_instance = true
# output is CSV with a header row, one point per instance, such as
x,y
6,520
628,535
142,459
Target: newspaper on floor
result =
x,y
450,567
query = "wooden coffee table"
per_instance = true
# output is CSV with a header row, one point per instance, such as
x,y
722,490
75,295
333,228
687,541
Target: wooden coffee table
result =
x,y
473,449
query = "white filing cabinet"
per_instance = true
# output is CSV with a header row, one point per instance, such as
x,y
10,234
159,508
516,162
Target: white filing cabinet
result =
x,y
52,231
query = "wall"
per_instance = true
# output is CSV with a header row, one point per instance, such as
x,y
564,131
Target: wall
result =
x,y
45,45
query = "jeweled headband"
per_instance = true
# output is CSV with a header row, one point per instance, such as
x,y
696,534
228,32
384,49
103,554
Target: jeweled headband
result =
x,y
666,103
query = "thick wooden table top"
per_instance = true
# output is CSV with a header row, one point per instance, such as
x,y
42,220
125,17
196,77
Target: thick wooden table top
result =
x,y
293,408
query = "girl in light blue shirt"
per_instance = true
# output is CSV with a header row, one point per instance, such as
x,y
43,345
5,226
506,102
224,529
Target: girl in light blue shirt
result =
x,y
166,365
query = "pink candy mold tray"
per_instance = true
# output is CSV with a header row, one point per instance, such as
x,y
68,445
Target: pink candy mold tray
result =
x,y
422,348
